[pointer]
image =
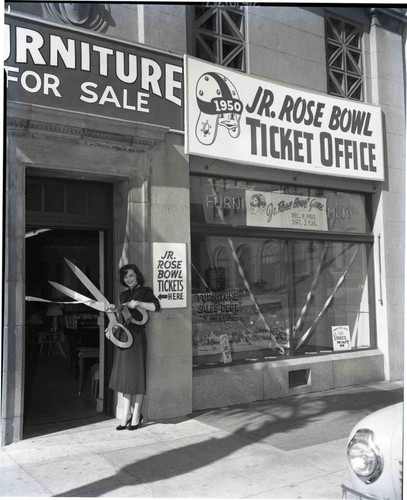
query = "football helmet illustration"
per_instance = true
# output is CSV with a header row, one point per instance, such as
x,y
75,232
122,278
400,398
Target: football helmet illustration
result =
x,y
257,204
219,104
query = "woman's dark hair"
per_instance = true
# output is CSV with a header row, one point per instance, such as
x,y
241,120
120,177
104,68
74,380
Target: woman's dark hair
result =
x,y
123,271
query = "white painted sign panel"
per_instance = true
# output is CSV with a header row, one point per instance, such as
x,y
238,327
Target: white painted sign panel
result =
x,y
341,338
225,346
170,274
286,211
237,117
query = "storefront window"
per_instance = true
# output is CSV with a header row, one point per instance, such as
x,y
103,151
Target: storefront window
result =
x,y
276,292
238,299
243,203
330,291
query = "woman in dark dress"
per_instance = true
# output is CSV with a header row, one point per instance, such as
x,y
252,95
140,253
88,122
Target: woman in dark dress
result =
x,y
129,365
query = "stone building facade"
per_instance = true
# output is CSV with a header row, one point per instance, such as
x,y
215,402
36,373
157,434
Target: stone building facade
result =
x,y
122,158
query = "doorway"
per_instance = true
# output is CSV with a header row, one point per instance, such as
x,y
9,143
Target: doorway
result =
x,y
64,341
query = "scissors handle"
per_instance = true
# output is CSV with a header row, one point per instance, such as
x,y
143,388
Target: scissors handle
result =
x,y
144,317
119,343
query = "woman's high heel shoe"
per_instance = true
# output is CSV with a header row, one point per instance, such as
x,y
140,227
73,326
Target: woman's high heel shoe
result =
x,y
122,427
138,425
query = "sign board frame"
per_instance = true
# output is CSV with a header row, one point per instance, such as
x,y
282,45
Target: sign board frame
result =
x,y
78,70
233,116
170,274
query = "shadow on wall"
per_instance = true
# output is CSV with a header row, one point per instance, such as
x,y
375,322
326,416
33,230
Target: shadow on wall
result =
x,y
287,424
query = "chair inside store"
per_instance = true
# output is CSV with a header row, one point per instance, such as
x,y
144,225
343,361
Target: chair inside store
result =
x,y
83,341
62,339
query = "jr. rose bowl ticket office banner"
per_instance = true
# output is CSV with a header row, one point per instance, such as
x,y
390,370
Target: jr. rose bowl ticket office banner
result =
x,y
237,117
92,125
279,265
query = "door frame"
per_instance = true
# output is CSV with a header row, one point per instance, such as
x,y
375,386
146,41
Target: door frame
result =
x,y
104,402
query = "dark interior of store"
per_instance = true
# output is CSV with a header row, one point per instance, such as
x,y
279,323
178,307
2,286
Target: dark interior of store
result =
x,y
62,339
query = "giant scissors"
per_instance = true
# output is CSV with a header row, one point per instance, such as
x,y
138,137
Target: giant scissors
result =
x,y
102,304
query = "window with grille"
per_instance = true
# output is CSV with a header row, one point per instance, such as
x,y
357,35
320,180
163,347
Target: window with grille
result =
x,y
217,34
344,58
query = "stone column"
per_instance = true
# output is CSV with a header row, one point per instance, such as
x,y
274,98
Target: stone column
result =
x,y
388,91
131,228
169,366
14,277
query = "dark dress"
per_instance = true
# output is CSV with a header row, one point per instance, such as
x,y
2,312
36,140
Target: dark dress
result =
x,y
129,365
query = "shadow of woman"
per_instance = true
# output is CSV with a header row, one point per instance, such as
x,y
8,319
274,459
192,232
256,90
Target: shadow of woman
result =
x,y
157,461
152,463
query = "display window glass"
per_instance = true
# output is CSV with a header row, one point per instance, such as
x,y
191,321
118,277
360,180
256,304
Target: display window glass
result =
x,y
267,294
256,204
330,290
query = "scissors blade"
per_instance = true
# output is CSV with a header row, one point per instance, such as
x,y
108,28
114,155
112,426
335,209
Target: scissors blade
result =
x,y
78,296
86,281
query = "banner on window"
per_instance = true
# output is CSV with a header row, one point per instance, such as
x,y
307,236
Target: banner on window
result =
x,y
286,211
237,117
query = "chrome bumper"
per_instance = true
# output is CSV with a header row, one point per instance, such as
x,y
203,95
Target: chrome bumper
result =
x,y
350,494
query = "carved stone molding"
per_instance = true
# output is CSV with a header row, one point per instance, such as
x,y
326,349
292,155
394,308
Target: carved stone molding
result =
x,y
391,19
81,136
92,16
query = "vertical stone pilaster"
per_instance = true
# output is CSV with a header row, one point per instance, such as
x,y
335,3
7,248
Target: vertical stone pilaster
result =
x,y
387,90
169,365
14,273
131,228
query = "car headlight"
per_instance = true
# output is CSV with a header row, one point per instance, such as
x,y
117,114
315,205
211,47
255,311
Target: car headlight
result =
x,y
365,457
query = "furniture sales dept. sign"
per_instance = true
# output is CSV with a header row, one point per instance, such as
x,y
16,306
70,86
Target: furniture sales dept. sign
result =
x,y
170,274
60,67
237,117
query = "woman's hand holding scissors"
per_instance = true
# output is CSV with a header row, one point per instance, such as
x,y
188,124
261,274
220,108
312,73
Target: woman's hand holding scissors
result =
x,y
111,308
137,304
133,304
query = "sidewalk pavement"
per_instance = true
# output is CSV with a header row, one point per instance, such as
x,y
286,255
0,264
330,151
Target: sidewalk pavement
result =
x,y
293,447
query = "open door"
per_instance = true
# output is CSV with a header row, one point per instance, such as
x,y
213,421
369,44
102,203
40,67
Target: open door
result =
x,y
64,368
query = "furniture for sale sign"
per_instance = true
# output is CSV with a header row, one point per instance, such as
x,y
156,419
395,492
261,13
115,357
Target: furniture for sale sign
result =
x,y
237,117
78,70
286,211
170,274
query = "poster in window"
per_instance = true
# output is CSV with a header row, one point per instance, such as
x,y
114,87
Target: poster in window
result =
x,y
286,211
341,338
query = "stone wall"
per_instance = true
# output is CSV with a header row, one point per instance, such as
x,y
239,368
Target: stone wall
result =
x,y
216,387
